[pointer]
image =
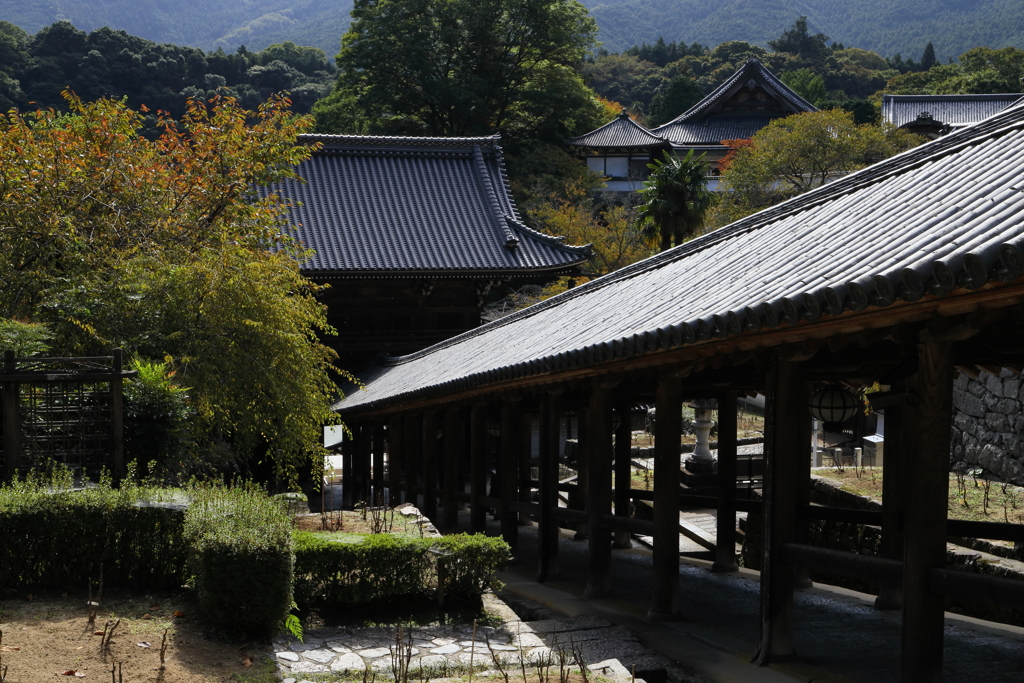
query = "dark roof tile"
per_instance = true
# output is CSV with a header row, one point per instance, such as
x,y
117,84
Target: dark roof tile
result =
x,y
955,110
622,131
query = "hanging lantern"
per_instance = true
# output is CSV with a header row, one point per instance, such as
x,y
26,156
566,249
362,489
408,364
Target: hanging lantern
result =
x,y
833,405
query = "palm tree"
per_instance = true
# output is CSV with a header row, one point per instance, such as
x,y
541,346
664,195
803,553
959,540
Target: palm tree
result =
x,y
676,199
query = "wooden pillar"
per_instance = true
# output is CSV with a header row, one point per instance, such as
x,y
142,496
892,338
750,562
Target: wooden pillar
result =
x,y
578,498
927,456
667,433
377,465
897,437
548,528
411,452
117,416
599,456
348,485
525,457
801,421
396,459
508,463
478,467
12,421
454,442
623,470
429,467
725,545
784,446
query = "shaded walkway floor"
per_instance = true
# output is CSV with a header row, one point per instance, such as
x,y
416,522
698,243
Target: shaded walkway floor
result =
x,y
839,635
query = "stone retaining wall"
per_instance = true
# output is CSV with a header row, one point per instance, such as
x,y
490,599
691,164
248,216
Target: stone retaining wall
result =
x,y
988,423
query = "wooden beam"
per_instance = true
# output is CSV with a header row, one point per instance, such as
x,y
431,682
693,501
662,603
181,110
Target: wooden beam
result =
x,y
547,529
927,456
377,465
623,470
413,447
428,475
508,464
454,442
843,563
899,437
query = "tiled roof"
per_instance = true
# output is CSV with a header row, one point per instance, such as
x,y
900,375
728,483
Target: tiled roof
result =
x,y
944,215
622,131
955,110
679,131
714,129
406,206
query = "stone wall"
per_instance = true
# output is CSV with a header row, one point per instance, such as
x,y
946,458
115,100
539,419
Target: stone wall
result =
x,y
988,423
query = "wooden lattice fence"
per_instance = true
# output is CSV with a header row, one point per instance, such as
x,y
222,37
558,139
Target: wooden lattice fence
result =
x,y
66,410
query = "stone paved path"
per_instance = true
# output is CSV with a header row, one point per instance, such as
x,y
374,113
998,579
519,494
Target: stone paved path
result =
x,y
443,650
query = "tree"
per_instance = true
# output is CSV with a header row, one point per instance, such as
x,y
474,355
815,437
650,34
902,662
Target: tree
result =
x,y
806,84
679,95
676,199
928,57
798,153
160,247
797,40
463,67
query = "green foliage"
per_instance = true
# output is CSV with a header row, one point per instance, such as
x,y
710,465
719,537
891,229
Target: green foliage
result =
x,y
981,70
679,95
463,67
384,566
676,199
240,553
156,418
806,84
57,537
798,41
24,338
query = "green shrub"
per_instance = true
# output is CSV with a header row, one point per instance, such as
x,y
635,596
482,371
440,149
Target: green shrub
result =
x,y
241,557
156,418
336,570
56,537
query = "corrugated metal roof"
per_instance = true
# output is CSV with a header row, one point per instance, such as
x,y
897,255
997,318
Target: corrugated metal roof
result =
x,y
714,129
395,205
943,215
956,110
622,131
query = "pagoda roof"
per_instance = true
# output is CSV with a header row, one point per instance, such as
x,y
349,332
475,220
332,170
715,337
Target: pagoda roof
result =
x,y
620,132
938,223
707,123
376,206
952,110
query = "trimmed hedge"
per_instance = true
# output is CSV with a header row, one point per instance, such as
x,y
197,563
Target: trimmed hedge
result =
x,y
56,537
241,556
333,570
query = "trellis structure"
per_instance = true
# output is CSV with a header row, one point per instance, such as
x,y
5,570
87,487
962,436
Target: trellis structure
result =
x,y
67,410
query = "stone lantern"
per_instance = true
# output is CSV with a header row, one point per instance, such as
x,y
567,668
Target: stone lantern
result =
x,y
701,460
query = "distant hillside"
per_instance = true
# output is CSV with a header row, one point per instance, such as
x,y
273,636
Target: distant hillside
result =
x,y
200,23
883,26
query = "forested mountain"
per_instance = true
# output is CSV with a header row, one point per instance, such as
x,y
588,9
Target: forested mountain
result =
x,y
887,27
883,26
207,24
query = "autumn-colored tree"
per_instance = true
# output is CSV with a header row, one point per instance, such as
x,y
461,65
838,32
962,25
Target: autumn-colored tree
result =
x,y
161,247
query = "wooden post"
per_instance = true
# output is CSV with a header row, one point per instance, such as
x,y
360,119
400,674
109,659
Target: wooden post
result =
x,y
897,439
667,433
411,457
454,438
117,416
725,544
478,467
429,467
548,528
508,463
784,446
349,449
599,455
927,456
623,471
802,527
12,421
377,464
579,497
525,457
396,458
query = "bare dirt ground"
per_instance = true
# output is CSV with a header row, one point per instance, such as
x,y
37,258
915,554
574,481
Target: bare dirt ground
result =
x,y
49,637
